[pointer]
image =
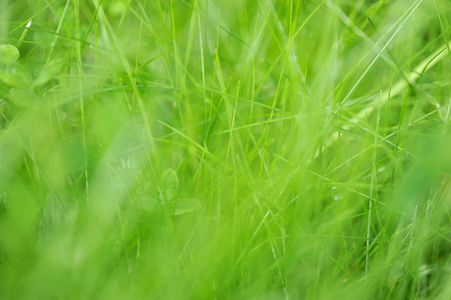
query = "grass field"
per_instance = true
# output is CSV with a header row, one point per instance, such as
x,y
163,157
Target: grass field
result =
x,y
240,149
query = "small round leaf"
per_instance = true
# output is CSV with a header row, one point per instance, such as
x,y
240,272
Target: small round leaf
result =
x,y
170,184
8,54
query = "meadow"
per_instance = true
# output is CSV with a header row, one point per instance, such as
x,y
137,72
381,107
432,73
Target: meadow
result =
x,y
239,149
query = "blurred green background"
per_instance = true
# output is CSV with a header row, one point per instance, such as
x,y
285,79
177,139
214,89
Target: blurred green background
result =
x,y
199,149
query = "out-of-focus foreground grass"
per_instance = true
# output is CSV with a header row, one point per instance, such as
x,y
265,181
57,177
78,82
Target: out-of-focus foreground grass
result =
x,y
199,149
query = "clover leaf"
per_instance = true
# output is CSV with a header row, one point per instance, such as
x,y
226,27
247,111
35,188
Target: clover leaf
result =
x,y
8,54
169,184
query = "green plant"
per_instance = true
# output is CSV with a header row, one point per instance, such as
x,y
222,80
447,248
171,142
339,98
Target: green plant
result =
x,y
252,149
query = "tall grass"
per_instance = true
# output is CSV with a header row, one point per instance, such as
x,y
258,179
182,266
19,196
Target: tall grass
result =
x,y
198,149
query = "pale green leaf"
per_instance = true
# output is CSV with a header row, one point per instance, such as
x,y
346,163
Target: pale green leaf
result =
x,y
187,205
48,72
8,54
170,184
148,204
15,75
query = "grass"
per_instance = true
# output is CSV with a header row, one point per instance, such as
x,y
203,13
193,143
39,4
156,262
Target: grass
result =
x,y
197,149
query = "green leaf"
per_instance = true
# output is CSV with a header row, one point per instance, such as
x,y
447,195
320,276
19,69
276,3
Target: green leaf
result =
x,y
148,204
170,184
8,54
187,205
117,8
24,97
15,75
48,72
